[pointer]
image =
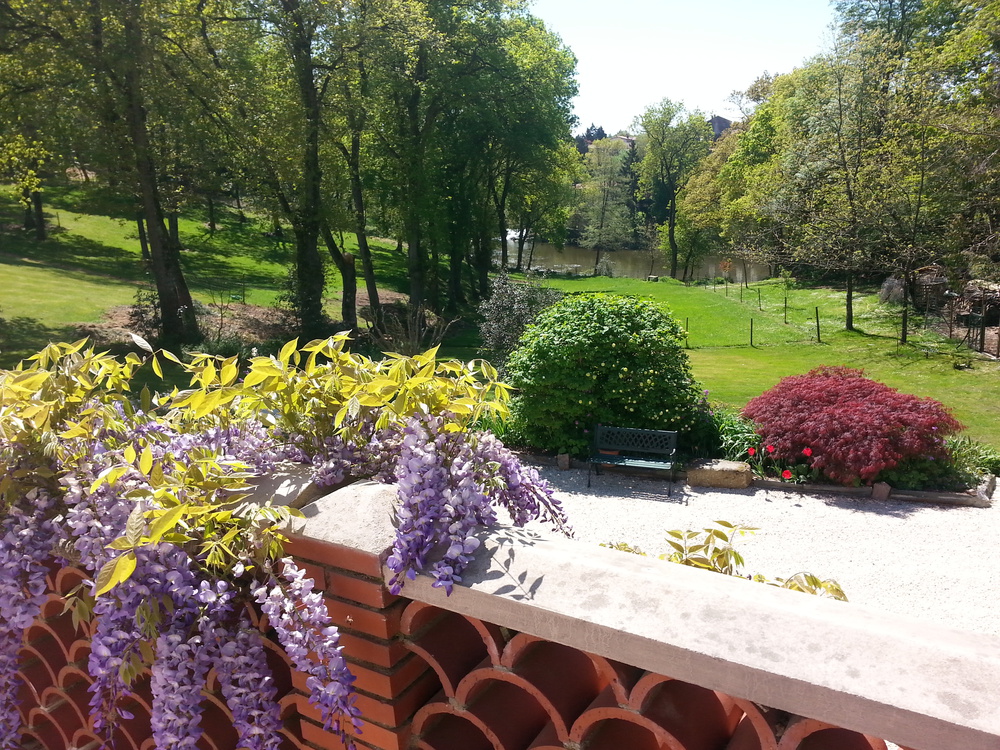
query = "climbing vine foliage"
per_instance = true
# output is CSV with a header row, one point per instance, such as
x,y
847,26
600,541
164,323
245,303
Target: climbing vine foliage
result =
x,y
152,496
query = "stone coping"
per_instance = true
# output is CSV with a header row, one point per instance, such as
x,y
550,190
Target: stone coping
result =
x,y
917,684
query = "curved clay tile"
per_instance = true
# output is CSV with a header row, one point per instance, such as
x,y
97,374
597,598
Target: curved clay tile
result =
x,y
418,617
505,714
291,741
44,726
700,718
64,710
67,578
756,730
617,728
446,730
477,684
452,647
45,640
61,625
812,734
35,673
280,666
79,652
86,740
74,684
217,723
563,680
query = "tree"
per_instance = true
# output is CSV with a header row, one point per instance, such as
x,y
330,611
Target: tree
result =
x,y
604,196
117,46
675,141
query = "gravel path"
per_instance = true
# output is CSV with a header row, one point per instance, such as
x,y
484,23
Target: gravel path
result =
x,y
931,562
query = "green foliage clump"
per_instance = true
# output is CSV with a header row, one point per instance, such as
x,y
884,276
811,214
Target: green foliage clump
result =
x,y
712,549
603,359
965,465
736,433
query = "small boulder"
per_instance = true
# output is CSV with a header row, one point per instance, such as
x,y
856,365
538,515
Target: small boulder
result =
x,y
733,475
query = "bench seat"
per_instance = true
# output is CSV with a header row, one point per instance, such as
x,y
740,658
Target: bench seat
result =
x,y
635,448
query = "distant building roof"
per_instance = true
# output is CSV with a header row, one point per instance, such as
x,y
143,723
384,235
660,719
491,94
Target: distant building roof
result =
x,y
719,125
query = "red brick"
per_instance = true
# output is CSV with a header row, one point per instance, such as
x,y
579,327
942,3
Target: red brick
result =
x,y
379,623
371,735
334,555
378,651
388,683
394,713
367,591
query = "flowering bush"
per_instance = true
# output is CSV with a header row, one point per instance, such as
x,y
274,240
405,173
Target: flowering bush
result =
x,y
150,496
848,427
603,359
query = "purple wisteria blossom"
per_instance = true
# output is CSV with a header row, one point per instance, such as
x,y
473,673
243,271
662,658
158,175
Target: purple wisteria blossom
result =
x,y
300,618
27,539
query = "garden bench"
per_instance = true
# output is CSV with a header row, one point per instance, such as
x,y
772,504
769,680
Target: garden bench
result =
x,y
629,446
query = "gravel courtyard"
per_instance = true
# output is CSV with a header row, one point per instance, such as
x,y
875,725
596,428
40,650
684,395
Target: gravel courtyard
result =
x,y
930,562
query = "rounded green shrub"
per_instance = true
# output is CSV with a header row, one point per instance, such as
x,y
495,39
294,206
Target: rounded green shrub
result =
x,y
603,359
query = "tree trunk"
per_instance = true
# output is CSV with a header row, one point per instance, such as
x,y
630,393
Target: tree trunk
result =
x,y
38,209
353,157
906,308
211,214
240,216
849,323
173,227
143,241
484,253
349,277
672,238
178,321
29,213
522,235
309,283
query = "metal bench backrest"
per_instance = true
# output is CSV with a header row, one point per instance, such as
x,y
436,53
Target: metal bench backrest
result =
x,y
633,440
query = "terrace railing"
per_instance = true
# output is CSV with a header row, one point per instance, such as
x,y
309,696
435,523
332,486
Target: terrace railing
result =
x,y
552,644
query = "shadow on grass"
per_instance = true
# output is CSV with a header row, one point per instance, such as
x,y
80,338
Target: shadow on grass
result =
x,y
22,336
72,254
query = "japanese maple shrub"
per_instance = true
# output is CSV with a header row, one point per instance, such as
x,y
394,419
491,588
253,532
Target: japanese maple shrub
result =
x,y
602,359
847,426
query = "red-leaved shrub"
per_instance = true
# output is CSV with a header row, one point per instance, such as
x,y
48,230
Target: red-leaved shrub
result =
x,y
853,427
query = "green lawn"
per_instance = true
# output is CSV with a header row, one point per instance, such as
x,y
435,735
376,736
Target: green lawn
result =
x,y
734,372
92,261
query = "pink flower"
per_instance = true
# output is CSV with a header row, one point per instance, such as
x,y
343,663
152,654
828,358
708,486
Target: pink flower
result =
x,y
786,474
770,449
752,451
807,451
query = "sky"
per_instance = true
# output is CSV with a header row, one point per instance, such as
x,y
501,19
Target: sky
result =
x,y
634,53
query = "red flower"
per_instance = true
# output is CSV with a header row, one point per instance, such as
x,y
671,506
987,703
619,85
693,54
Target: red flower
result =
x,y
770,449
807,451
786,474
752,451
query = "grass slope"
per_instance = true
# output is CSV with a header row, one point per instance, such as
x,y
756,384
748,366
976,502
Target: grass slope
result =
x,y
92,261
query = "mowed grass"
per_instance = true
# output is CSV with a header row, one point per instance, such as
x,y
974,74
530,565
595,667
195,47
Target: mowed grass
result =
x,y
734,372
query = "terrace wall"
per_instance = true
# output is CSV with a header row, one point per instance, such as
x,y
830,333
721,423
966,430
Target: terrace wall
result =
x,y
551,644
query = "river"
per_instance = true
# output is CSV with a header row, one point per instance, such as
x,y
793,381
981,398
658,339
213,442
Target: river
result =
x,y
635,264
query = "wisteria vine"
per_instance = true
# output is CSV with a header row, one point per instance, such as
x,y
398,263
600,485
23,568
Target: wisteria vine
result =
x,y
152,497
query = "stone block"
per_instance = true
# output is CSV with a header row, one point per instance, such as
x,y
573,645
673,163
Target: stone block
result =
x,y
881,491
734,475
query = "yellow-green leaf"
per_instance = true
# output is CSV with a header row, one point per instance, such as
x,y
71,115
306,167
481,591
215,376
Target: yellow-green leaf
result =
x,y
114,572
